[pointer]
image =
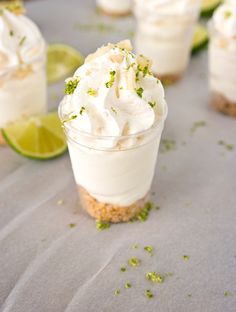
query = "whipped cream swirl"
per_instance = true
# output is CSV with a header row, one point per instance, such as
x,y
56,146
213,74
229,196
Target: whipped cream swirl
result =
x,y
224,19
20,40
113,94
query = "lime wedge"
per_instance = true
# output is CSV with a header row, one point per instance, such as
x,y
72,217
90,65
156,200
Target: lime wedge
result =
x,y
200,38
39,137
62,61
208,7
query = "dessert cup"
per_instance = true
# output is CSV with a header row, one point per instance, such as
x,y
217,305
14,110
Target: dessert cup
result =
x,y
113,174
114,8
23,82
164,34
222,69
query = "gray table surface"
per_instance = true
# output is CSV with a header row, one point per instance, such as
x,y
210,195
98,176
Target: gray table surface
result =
x,y
47,266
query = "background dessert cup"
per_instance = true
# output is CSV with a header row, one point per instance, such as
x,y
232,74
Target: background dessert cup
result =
x,y
113,116
222,59
164,34
23,85
116,8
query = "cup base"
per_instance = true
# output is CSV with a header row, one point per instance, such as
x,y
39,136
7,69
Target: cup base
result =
x,y
169,79
109,212
113,14
222,104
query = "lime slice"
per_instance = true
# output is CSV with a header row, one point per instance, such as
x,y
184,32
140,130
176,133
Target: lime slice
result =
x,y
62,61
39,137
200,38
208,7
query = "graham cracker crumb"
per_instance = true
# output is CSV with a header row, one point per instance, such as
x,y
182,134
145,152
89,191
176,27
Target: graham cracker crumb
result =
x,y
222,104
109,212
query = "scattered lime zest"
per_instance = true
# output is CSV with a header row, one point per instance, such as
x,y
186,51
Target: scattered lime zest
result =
x,y
143,215
123,269
134,261
167,145
72,225
227,293
198,124
117,292
148,294
149,249
11,33
60,202
229,147
110,83
102,225
154,277
71,85
158,207
82,109
135,246
186,257
113,109
128,285
227,14
139,92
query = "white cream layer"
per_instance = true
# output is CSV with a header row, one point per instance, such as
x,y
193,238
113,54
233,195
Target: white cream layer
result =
x,y
115,6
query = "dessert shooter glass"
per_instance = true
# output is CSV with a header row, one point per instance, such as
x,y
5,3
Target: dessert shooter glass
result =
x,y
23,90
222,72
167,40
113,174
116,8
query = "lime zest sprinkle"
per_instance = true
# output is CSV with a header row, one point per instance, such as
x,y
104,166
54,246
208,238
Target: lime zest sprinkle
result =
x,y
92,92
113,109
117,292
123,269
11,33
102,225
227,14
149,249
71,85
229,147
148,293
152,104
72,225
154,277
198,124
167,145
143,215
135,246
227,293
158,207
82,109
134,261
22,41
139,92
185,257
60,202
110,83
70,118
128,285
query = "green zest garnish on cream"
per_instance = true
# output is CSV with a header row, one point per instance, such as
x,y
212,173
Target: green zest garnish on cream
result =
x,y
227,14
22,41
71,85
101,225
113,109
152,104
110,83
134,261
139,91
82,110
92,92
154,277
11,33
70,118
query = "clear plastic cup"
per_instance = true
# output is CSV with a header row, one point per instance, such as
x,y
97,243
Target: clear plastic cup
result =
x,y
166,38
23,90
113,174
222,72
117,8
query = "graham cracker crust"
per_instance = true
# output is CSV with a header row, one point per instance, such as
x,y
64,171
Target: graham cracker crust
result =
x,y
113,14
169,79
222,104
109,212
